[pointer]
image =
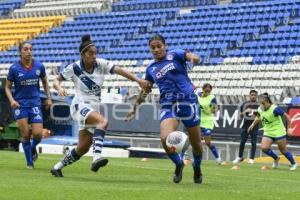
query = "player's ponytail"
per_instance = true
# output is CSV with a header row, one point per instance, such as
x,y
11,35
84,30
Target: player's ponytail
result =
x,y
86,42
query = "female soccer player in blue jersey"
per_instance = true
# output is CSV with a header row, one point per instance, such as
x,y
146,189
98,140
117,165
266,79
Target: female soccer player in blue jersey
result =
x,y
24,75
88,77
208,105
177,98
274,130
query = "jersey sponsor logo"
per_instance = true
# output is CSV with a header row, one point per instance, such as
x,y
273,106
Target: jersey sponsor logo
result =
x,y
162,72
17,112
84,111
38,72
93,88
170,57
30,82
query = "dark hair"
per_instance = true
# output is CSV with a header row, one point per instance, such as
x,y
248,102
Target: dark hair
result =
x,y
206,85
267,97
157,37
253,91
22,44
85,42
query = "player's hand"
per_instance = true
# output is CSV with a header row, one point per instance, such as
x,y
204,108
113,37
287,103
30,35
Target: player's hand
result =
x,y
250,129
62,92
130,116
290,131
14,104
48,103
144,84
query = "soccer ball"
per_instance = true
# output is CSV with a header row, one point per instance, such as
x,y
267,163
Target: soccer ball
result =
x,y
177,141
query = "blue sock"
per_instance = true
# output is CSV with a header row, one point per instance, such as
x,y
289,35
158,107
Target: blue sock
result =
x,y
271,153
27,151
214,151
34,143
175,158
290,157
197,160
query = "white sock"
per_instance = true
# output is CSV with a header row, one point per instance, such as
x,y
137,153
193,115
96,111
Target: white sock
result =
x,y
59,165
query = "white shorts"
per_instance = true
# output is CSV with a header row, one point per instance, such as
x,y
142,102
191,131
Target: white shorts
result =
x,y
80,112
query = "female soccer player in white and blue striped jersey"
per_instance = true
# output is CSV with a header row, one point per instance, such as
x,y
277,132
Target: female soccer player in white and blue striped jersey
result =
x,y
88,76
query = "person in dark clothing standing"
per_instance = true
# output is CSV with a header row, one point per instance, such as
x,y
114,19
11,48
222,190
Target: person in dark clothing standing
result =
x,y
248,111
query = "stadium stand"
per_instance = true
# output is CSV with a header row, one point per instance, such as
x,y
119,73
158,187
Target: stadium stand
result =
x,y
15,31
35,8
7,6
243,44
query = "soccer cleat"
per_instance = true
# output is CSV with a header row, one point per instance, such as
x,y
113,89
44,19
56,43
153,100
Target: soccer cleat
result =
x,y
219,161
197,175
30,167
98,163
56,172
178,173
276,163
294,167
34,154
251,161
238,160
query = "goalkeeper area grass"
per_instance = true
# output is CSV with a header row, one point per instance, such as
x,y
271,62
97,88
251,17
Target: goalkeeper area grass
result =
x,y
130,179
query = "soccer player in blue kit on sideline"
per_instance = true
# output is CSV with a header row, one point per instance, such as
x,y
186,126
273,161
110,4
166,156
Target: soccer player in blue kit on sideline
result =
x,y
24,75
169,71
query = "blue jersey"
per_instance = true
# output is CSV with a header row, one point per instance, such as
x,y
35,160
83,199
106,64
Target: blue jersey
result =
x,y
171,77
26,83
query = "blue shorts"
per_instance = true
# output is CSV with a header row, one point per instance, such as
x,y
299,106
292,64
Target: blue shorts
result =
x,y
188,113
275,139
34,114
206,131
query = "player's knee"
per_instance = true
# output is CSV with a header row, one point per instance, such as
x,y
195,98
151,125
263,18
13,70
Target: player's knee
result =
x,y
208,143
103,123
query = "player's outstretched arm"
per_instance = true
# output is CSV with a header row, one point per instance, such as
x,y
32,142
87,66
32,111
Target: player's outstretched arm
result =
x,y
141,98
288,124
47,91
8,87
255,122
122,72
57,86
193,58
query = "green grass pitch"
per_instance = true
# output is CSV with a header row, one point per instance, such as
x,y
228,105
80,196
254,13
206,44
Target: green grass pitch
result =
x,y
132,179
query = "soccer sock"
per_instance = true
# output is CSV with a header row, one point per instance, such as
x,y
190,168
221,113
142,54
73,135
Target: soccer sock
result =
x,y
175,158
290,157
214,151
27,150
271,153
197,160
98,139
70,158
34,143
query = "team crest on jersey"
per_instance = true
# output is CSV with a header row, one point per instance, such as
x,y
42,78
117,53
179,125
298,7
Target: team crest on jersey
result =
x,y
17,112
38,72
170,57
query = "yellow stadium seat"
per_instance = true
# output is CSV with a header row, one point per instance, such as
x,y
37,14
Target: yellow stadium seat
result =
x,y
15,31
